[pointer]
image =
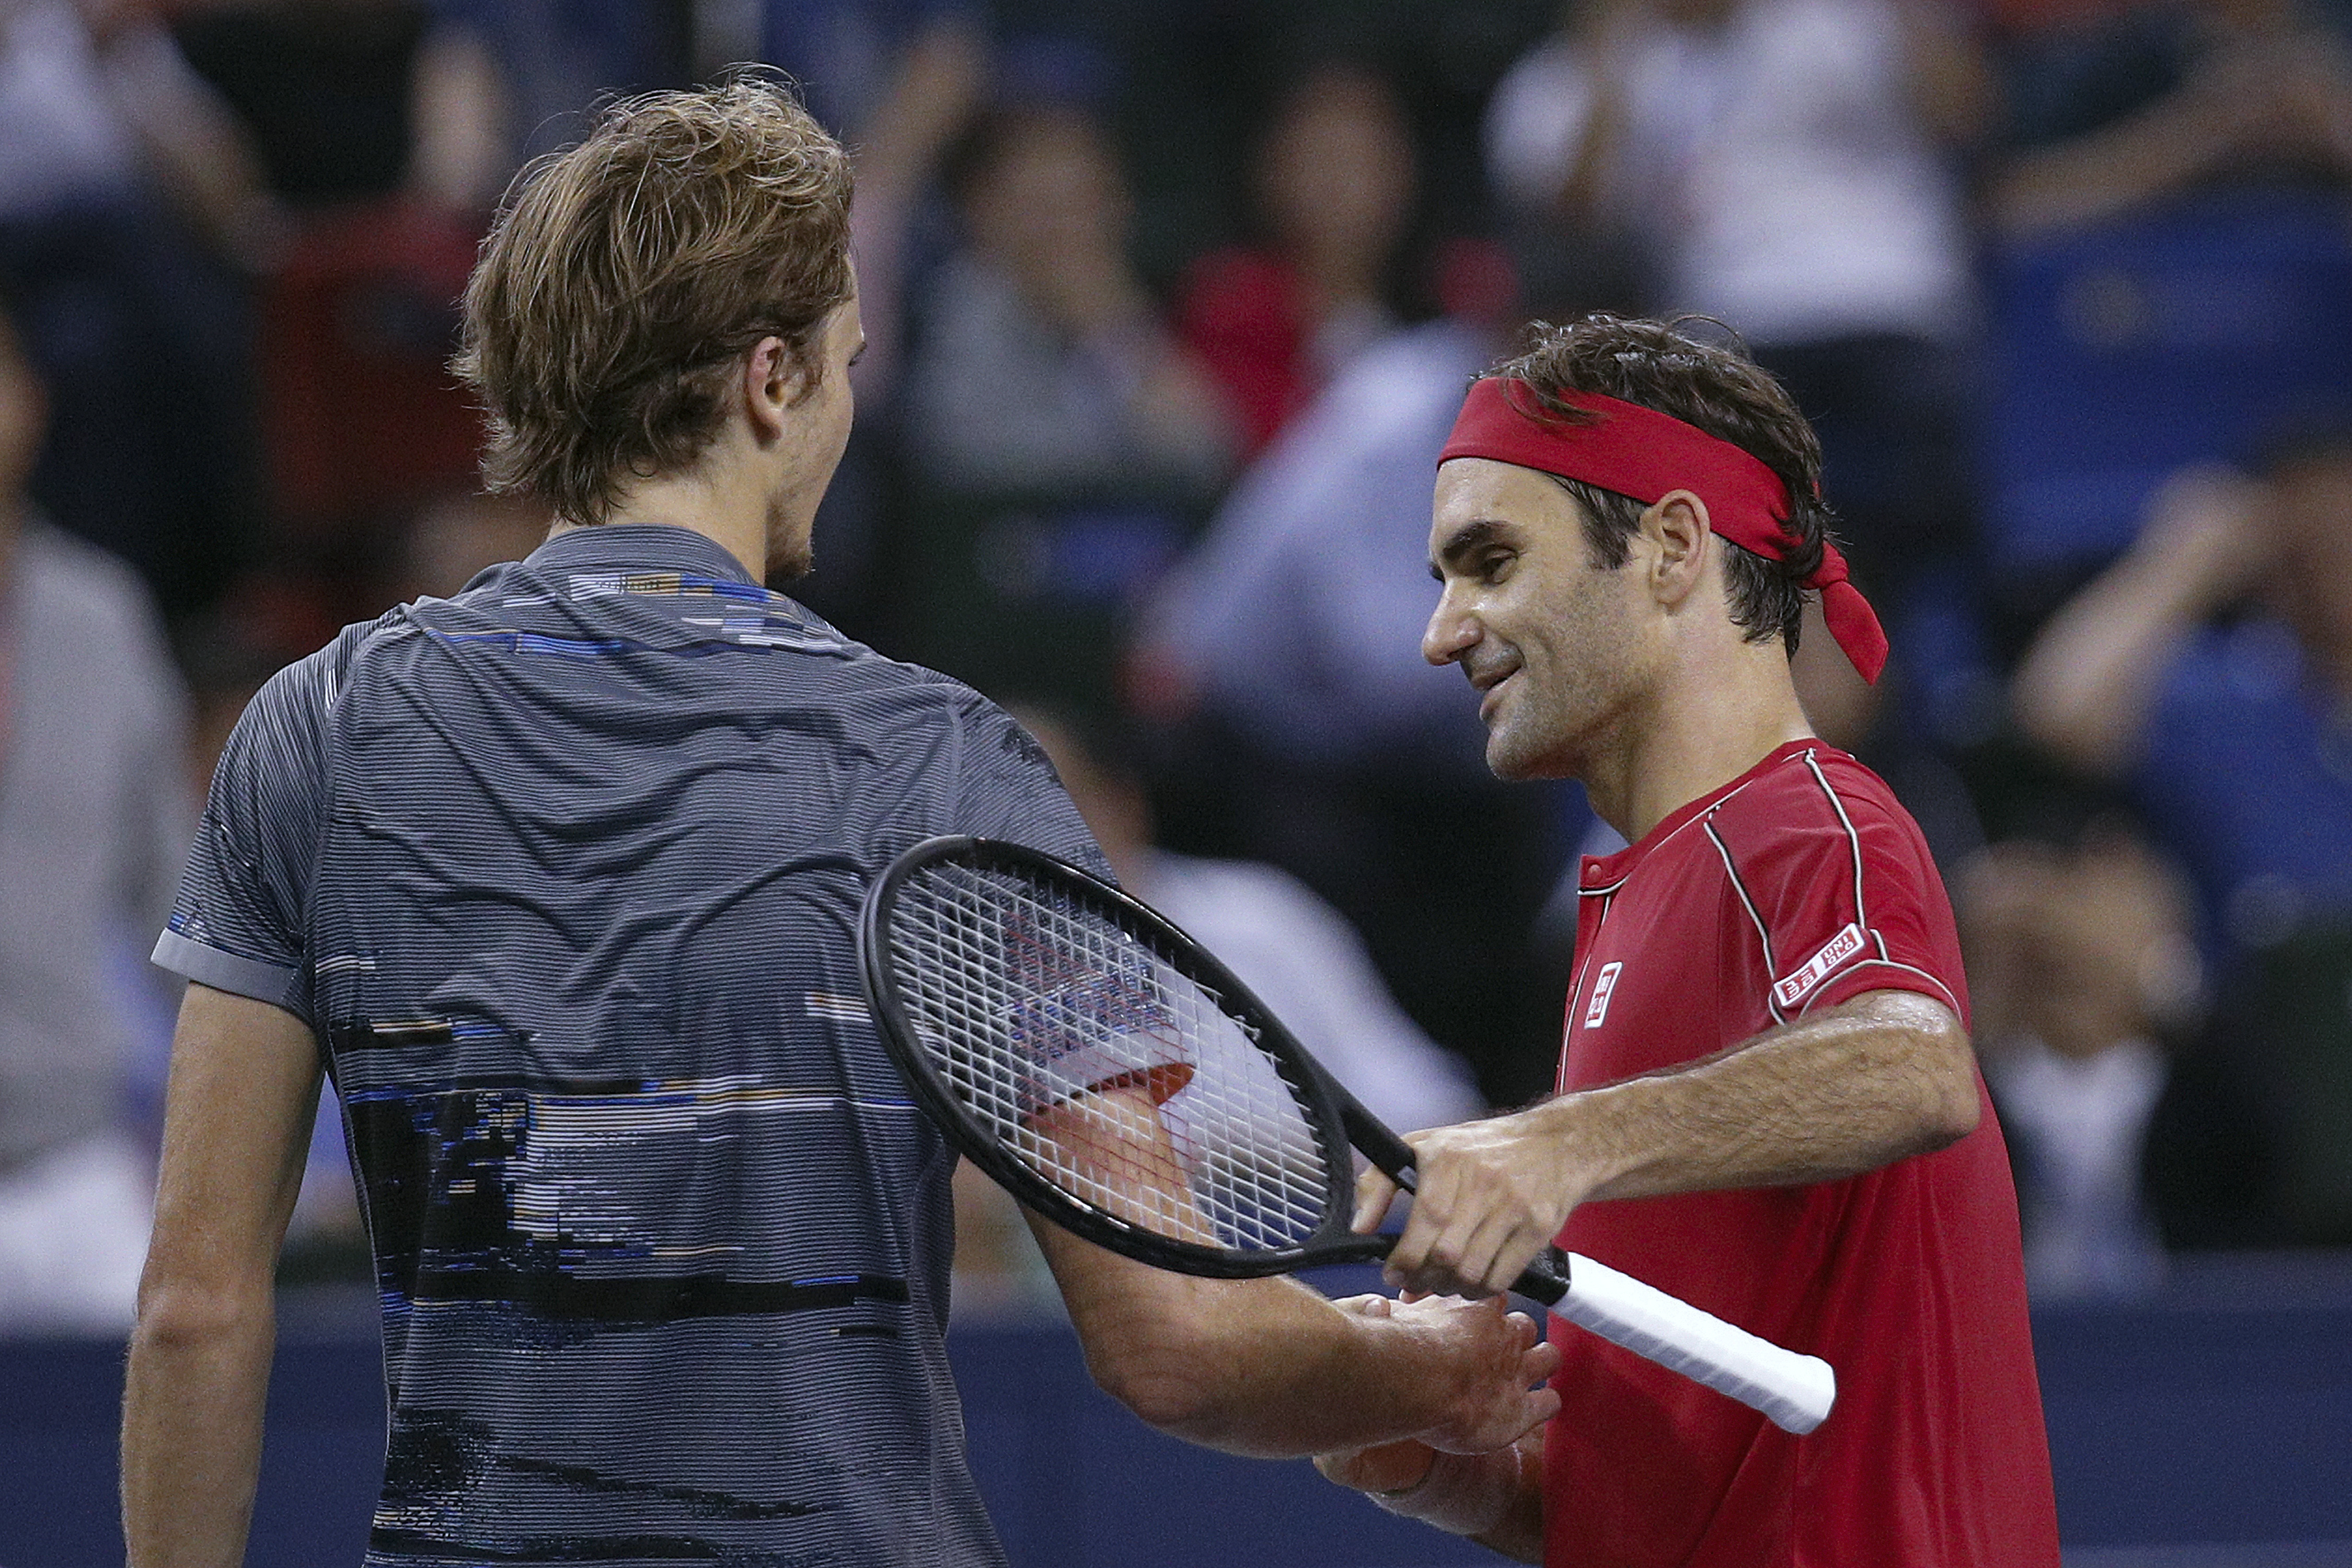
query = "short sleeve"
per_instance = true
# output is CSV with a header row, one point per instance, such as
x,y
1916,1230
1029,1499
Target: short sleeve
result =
x,y
1007,789
238,922
1842,893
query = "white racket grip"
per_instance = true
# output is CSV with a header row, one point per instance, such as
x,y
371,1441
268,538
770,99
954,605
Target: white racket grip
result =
x,y
1795,1392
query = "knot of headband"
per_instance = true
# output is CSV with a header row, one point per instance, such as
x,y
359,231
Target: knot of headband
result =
x,y
1642,452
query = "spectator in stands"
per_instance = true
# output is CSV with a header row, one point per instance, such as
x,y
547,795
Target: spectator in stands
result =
x,y
2110,117
2229,733
2082,973
128,203
1059,443
1294,951
331,94
1786,166
498,82
1044,360
1333,182
93,806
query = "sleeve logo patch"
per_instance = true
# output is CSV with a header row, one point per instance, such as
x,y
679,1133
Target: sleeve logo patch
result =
x,y
1798,986
1604,985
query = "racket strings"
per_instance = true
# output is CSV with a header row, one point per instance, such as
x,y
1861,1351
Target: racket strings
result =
x,y
1103,1067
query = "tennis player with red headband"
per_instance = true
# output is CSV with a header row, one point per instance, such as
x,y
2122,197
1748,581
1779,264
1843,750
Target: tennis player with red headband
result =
x,y
1766,1103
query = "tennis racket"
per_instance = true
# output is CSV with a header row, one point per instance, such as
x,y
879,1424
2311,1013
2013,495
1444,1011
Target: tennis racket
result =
x,y
1115,1076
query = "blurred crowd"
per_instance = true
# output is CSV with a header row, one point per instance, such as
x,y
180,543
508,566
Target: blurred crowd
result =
x,y
1170,303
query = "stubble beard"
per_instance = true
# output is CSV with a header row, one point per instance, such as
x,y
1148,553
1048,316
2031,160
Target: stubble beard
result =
x,y
791,562
1548,744
792,551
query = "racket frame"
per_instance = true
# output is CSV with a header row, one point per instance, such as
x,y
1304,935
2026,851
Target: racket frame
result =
x,y
1339,1123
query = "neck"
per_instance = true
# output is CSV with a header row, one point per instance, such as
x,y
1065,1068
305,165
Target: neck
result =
x,y
724,502
1697,735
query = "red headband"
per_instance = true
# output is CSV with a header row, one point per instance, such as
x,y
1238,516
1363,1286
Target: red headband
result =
x,y
1642,452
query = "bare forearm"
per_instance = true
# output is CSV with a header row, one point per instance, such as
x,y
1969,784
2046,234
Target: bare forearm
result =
x,y
1496,1500
192,1418
1520,1536
2108,172
1870,1081
1270,1369
245,1077
1262,1367
1814,1100
2086,687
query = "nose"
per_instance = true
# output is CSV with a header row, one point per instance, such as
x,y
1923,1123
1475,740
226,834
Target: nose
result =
x,y
1451,633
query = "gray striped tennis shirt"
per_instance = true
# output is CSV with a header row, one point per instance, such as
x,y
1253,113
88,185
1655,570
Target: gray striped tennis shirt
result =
x,y
563,873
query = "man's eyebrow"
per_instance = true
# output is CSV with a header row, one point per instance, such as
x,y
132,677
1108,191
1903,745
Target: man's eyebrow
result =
x,y
1467,540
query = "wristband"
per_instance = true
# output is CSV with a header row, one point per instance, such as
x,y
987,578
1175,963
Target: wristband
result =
x,y
1464,1494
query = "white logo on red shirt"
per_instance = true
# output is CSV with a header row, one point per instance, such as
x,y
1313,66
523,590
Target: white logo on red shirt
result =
x,y
1836,950
1603,985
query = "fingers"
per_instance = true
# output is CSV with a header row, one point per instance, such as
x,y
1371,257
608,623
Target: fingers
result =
x,y
1491,1195
1385,1468
1499,1250
1374,1193
1504,1386
1480,1251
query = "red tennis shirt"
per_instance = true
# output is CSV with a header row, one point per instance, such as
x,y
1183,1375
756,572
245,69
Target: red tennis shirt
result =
x,y
1798,886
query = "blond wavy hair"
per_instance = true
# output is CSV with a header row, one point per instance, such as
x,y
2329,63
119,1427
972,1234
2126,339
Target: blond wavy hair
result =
x,y
625,278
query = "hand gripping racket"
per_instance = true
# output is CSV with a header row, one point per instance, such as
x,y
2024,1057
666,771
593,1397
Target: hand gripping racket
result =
x,y
1111,1074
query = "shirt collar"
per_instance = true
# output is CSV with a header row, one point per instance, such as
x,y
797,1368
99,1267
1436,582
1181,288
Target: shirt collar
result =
x,y
1606,870
640,547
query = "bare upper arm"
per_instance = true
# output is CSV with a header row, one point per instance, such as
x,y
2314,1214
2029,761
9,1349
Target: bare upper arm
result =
x,y
236,1125
1922,1033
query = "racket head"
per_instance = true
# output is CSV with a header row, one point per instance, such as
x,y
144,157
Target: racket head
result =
x,y
1013,990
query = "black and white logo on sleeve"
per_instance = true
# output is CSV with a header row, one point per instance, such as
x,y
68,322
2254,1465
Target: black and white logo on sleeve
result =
x,y
1848,944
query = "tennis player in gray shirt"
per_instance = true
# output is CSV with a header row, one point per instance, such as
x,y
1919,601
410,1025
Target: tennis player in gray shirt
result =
x,y
556,879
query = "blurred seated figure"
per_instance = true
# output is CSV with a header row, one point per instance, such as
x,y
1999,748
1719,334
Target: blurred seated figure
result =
x,y
129,206
2115,115
2229,729
1298,617
1787,167
94,819
1060,445
2081,971
1294,951
1333,177
498,82
381,130
2210,672
1043,361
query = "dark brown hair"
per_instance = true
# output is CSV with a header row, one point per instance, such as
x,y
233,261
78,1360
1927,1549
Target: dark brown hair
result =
x,y
1720,391
626,277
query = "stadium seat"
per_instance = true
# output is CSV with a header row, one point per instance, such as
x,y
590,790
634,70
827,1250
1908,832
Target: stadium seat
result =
x,y
2176,337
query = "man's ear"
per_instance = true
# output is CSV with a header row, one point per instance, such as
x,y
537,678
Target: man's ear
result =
x,y
774,379
1676,526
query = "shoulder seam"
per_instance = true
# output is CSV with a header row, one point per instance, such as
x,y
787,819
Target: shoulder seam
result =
x,y
1812,764
1763,934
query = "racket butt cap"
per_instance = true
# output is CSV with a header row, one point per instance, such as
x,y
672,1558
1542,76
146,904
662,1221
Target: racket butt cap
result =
x,y
1811,1393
